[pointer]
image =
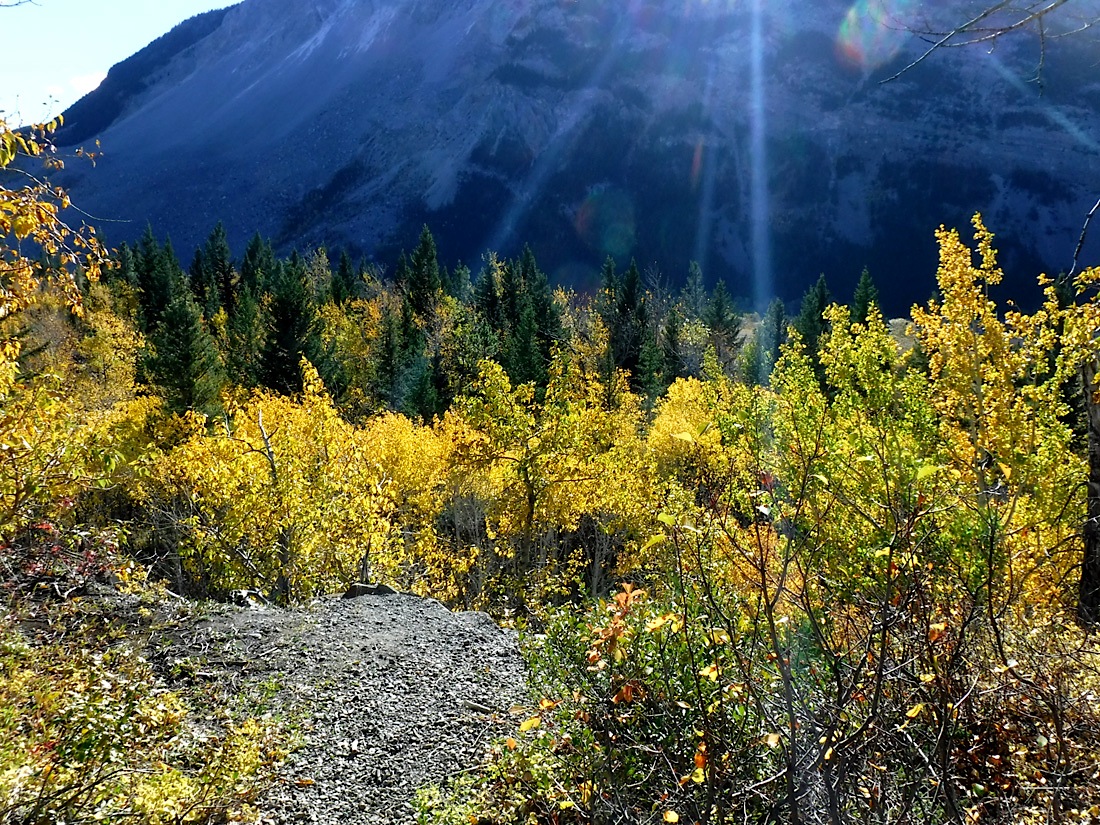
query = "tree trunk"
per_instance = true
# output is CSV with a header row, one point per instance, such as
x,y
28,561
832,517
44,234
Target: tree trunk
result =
x,y
1088,604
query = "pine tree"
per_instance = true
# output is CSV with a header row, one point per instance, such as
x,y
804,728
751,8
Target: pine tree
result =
x,y
291,328
650,377
541,299
811,324
184,363
318,274
126,271
424,280
389,360
487,295
204,287
459,284
158,276
246,341
724,321
866,294
770,335
626,317
521,355
673,359
259,267
344,280
219,261
694,294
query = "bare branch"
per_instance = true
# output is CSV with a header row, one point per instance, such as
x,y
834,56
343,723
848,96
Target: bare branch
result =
x,y
992,23
1081,240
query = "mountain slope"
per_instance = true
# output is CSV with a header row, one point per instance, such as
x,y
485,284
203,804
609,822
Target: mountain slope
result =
x,y
589,128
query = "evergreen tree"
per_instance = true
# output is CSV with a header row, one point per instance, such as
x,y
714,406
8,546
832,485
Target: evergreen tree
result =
x,y
487,295
541,299
626,318
260,267
521,355
770,335
291,328
126,271
246,341
651,378
424,280
184,363
389,359
318,275
459,284
402,274
724,321
673,359
344,280
158,276
694,294
427,385
866,294
513,299
721,315
811,324
219,262
204,287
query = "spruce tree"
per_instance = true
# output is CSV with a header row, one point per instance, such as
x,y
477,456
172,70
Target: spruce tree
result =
x,y
184,363
459,284
204,287
721,315
541,299
694,294
673,358
219,261
627,323
291,328
158,276
246,341
424,280
126,271
770,335
259,266
387,359
650,377
866,294
811,324
521,355
343,280
488,296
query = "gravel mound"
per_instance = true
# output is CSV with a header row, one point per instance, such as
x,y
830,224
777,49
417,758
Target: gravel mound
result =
x,y
395,692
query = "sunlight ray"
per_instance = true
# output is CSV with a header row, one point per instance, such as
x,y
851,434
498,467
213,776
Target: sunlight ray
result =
x,y
560,145
763,287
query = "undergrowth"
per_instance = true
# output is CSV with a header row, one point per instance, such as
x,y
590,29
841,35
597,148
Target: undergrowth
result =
x,y
90,731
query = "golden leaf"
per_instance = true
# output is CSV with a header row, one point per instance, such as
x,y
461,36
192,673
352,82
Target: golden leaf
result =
x,y
530,724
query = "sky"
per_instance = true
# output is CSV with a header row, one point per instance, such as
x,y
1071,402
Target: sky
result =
x,y
56,51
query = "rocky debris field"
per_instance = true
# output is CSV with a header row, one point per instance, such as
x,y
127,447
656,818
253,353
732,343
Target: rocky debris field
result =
x,y
391,692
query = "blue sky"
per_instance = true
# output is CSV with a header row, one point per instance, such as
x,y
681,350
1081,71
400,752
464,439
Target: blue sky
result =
x,y
55,51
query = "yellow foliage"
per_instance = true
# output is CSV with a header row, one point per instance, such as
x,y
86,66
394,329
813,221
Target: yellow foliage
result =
x,y
283,497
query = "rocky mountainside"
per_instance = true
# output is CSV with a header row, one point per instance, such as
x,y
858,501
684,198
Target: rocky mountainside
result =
x,y
590,128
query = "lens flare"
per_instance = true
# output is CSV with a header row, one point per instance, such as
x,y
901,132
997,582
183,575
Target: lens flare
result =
x,y
605,222
872,32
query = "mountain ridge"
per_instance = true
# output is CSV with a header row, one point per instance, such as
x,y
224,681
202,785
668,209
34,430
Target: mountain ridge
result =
x,y
587,130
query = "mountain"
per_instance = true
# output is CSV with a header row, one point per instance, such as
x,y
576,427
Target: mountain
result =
x,y
587,128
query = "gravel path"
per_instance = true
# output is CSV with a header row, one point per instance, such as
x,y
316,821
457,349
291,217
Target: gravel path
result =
x,y
396,692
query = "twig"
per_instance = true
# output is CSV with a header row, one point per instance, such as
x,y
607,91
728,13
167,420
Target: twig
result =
x,y
1081,240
